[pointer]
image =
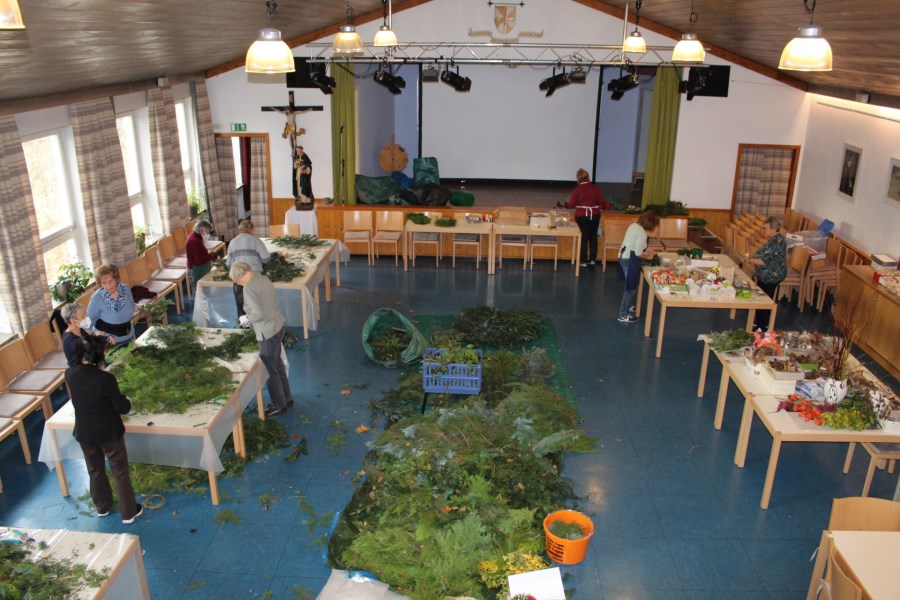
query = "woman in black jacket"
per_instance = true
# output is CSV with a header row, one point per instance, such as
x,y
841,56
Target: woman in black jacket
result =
x,y
99,406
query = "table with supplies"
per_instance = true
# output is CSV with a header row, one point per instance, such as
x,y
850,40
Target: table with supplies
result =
x,y
564,229
479,228
193,439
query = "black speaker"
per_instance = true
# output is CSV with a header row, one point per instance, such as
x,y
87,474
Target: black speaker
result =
x,y
707,81
302,76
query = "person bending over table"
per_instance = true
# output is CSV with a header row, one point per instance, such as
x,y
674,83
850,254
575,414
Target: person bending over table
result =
x,y
634,248
112,306
78,325
99,406
199,260
247,248
268,324
587,200
771,267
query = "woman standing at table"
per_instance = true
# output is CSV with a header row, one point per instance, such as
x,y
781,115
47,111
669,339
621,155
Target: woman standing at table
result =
x,y
634,248
78,325
771,267
199,260
587,200
248,248
112,306
99,406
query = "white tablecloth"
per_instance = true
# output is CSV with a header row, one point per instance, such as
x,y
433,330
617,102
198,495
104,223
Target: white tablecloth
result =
x,y
306,219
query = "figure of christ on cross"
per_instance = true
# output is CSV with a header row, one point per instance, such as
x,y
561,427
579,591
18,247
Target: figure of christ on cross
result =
x,y
291,132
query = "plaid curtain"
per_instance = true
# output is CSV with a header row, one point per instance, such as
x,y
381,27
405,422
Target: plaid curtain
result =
x,y
104,193
222,209
259,186
23,282
165,151
763,182
225,156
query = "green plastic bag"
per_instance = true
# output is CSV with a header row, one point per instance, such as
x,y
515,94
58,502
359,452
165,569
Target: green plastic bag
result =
x,y
425,170
387,318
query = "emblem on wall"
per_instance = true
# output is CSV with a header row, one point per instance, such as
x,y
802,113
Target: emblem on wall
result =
x,y
504,23
504,18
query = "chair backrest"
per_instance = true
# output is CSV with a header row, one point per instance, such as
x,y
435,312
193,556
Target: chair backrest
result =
x,y
167,248
39,342
614,230
152,262
85,298
842,586
833,248
799,259
357,220
741,244
792,220
673,229
125,275
283,229
179,237
138,270
14,359
859,513
389,220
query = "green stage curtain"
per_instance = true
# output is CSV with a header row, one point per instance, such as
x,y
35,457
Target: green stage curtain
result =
x,y
663,125
343,133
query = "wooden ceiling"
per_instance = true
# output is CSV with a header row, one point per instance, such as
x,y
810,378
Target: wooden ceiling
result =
x,y
72,46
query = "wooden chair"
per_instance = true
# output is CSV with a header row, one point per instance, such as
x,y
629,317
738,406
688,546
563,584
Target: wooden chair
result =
x,y
427,238
517,215
798,262
280,230
358,230
728,240
879,454
792,221
673,233
467,239
168,254
42,349
7,428
543,241
140,275
614,235
179,236
389,230
837,585
827,271
126,277
20,378
157,271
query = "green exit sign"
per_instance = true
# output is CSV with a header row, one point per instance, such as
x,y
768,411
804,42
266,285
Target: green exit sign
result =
x,y
239,127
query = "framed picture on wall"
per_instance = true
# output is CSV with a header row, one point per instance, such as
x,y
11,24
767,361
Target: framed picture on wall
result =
x,y
849,172
893,189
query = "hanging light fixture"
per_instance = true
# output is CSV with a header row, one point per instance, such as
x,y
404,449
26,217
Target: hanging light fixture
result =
x,y
385,37
634,42
808,51
689,49
347,42
269,53
10,15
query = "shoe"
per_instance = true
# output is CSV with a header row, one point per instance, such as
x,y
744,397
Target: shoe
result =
x,y
102,514
592,263
274,411
583,265
628,319
290,403
140,511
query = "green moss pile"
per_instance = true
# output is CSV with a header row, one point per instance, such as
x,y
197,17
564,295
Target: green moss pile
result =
x,y
488,326
20,577
292,241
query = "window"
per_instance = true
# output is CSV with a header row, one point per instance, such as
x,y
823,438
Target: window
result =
x,y
62,240
128,144
190,148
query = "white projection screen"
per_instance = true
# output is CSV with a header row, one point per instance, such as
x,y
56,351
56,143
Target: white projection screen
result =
x,y
505,127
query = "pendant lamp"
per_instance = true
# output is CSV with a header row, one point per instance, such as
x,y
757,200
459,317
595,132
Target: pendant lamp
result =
x,y
269,53
808,51
347,41
10,15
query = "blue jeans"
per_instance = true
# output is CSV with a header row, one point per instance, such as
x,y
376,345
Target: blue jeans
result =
x,y
277,384
628,296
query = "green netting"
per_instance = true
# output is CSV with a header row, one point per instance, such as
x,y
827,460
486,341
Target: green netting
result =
x,y
384,319
375,190
425,170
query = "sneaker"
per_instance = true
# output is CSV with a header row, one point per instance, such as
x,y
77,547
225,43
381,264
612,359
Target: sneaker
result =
x,y
102,514
140,511
628,319
274,411
592,263
583,265
290,403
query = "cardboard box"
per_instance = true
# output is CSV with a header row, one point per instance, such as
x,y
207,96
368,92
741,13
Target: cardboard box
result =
x,y
779,382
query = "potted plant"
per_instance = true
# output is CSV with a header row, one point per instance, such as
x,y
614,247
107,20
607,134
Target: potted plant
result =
x,y
140,239
849,323
197,201
73,279
156,311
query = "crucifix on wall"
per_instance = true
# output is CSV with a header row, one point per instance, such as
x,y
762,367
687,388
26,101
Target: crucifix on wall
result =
x,y
302,166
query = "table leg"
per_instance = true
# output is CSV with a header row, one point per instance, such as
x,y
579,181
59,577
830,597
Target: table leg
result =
x,y
576,243
751,316
660,329
47,407
60,469
740,453
772,318
303,312
318,312
819,569
214,488
23,439
405,252
704,363
640,296
240,446
770,473
337,270
732,313
648,318
260,408
720,401
327,282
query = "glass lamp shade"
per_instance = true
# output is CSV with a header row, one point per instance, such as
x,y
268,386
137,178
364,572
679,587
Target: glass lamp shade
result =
x,y
10,15
689,49
809,51
347,41
269,54
635,42
385,37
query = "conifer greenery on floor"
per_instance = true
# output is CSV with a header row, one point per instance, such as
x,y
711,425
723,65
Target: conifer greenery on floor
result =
x,y
22,577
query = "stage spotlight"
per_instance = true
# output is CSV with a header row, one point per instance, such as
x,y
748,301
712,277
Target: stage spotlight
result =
x,y
459,83
579,75
553,82
430,74
696,82
619,86
394,83
320,79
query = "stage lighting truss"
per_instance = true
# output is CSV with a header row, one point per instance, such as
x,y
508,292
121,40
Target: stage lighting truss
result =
x,y
394,83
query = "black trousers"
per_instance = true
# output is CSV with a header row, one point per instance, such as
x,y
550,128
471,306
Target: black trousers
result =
x,y
101,493
588,227
761,320
239,299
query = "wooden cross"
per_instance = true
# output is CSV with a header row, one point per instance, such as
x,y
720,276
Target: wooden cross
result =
x,y
291,131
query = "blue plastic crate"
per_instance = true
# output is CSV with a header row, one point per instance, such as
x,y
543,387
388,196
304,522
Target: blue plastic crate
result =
x,y
438,378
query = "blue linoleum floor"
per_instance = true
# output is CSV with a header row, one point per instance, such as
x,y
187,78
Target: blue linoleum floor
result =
x,y
675,518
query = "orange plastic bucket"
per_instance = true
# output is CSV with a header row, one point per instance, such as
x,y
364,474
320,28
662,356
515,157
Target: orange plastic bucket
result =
x,y
561,550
